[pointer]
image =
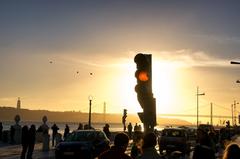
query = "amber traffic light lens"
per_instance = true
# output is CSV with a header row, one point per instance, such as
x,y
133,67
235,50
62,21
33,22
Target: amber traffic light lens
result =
x,y
143,76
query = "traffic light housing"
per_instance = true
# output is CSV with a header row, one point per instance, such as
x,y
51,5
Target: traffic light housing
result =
x,y
238,119
124,116
124,119
143,89
125,112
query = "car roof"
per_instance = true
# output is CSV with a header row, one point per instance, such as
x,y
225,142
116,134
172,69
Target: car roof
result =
x,y
173,129
88,130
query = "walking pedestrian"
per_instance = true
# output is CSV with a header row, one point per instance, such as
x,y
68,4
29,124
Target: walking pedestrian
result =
x,y
107,131
136,127
118,150
54,133
136,149
80,126
232,151
148,148
12,133
1,130
31,140
203,149
66,131
24,141
130,130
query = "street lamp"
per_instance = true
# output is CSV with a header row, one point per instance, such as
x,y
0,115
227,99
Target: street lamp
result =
x,y
234,62
90,98
198,94
235,117
232,115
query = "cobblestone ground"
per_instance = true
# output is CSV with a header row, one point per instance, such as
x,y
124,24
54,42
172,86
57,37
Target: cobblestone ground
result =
x,y
8,151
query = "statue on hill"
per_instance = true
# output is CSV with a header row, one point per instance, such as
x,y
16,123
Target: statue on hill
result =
x,y
16,130
44,129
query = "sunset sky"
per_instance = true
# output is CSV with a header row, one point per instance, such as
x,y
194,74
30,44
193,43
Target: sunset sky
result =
x,y
55,54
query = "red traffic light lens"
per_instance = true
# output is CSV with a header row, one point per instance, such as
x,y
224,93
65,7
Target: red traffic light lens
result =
x,y
143,76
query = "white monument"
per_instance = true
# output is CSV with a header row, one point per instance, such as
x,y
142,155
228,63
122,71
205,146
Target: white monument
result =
x,y
45,134
17,130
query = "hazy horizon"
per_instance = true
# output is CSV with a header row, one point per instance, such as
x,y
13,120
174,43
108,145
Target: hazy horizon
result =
x,y
55,54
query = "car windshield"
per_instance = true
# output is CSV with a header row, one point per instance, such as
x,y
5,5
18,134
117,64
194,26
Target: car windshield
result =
x,y
173,133
86,136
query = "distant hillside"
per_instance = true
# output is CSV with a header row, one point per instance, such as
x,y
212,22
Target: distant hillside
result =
x,y
8,114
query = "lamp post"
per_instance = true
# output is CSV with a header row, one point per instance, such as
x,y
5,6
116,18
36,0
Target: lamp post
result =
x,y
235,117
232,115
198,94
90,109
234,62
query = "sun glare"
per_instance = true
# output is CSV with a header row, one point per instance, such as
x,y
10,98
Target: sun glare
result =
x,y
164,85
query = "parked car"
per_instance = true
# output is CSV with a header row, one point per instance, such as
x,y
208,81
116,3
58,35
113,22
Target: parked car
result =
x,y
206,127
174,139
85,144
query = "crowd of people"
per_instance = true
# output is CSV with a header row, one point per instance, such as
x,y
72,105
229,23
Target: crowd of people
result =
x,y
142,147
28,141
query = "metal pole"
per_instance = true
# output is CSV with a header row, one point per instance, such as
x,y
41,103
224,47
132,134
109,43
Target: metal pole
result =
x,y
104,112
89,118
198,94
235,112
211,114
234,104
232,114
197,107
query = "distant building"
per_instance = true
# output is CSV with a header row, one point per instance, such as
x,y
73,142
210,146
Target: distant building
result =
x,y
18,103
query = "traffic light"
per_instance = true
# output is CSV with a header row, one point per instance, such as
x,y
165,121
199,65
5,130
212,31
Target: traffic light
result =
x,y
125,112
124,119
143,75
124,116
238,119
143,89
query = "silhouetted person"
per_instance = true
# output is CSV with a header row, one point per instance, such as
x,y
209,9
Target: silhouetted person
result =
x,y
54,132
87,127
139,127
80,126
12,133
31,141
1,130
203,149
232,151
136,149
107,131
136,127
228,124
66,131
25,141
148,148
118,150
130,130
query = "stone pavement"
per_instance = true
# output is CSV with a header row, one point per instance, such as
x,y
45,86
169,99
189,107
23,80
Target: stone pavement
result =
x,y
8,151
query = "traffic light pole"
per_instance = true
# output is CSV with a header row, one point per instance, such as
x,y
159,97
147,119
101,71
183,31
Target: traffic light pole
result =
x,y
144,91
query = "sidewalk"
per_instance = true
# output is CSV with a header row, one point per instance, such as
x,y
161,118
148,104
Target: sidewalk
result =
x,y
237,139
8,151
